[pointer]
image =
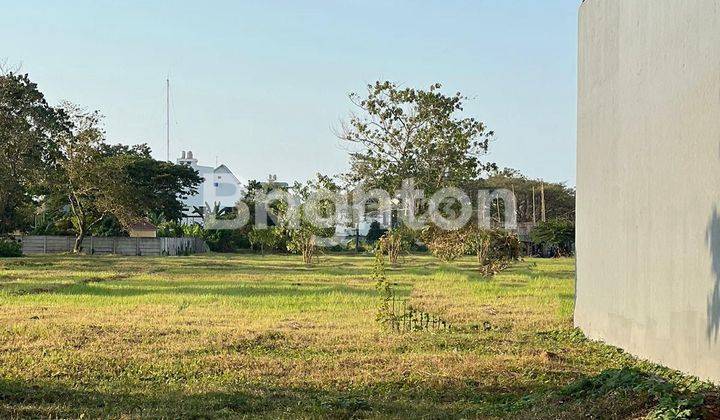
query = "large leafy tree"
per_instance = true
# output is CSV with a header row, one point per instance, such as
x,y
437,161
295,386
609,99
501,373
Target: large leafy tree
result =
x,y
86,177
158,186
28,127
138,185
57,159
412,133
101,181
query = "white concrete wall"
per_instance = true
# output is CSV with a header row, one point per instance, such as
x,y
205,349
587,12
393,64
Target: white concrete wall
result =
x,y
34,245
648,184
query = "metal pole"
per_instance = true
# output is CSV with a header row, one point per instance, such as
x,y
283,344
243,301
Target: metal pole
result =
x,y
542,201
533,206
167,110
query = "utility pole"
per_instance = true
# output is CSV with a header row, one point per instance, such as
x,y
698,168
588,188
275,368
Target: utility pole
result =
x,y
533,206
167,122
542,201
515,200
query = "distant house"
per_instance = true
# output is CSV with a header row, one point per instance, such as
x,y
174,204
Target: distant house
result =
x,y
220,186
346,228
142,229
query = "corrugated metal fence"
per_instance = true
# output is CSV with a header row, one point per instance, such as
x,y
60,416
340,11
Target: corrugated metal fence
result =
x,y
33,245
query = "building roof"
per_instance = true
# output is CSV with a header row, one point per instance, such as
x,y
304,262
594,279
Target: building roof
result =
x,y
142,225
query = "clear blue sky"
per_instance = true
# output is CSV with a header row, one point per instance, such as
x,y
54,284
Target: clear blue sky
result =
x,y
259,85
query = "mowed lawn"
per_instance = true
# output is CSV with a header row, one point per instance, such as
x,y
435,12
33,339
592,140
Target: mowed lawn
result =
x,y
266,336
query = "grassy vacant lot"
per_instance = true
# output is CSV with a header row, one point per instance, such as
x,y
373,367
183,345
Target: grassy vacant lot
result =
x,y
234,336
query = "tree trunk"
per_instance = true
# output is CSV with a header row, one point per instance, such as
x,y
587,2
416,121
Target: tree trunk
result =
x,y
77,248
79,215
357,238
308,250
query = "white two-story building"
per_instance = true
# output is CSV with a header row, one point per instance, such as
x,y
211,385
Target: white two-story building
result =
x,y
219,187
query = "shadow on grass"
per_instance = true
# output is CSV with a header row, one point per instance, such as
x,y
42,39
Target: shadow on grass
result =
x,y
394,399
286,290
292,267
614,393
529,270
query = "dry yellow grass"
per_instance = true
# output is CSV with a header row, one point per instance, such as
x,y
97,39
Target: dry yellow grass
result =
x,y
246,336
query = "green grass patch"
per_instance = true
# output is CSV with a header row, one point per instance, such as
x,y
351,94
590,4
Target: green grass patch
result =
x,y
253,336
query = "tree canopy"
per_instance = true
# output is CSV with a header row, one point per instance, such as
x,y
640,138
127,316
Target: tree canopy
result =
x,y
405,133
559,198
55,160
123,182
28,126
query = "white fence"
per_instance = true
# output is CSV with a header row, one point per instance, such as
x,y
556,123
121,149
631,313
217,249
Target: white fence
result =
x,y
33,245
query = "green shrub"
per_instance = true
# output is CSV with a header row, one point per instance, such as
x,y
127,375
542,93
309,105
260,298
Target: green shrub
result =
x,y
302,241
194,230
171,229
227,240
108,227
446,245
375,232
396,242
267,240
338,248
493,248
555,236
10,248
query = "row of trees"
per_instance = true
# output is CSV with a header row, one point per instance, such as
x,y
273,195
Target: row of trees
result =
x,y
59,175
400,133
54,160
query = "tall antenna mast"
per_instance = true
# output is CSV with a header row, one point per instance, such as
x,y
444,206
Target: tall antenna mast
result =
x,y
167,105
